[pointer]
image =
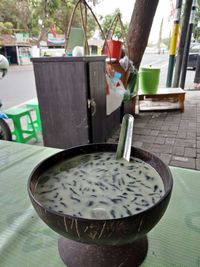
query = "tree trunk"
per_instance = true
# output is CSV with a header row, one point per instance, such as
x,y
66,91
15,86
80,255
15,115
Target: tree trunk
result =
x,y
139,29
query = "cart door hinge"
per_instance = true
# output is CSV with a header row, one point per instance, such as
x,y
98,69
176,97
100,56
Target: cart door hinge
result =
x,y
92,106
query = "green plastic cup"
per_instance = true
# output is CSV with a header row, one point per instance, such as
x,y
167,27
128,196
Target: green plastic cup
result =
x,y
149,79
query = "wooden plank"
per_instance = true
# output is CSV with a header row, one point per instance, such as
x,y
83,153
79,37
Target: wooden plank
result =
x,y
165,98
159,105
164,91
68,59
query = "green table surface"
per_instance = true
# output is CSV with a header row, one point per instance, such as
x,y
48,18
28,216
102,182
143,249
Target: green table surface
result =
x,y
26,241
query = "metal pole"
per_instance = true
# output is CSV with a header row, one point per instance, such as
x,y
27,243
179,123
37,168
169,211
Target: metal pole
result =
x,y
173,42
197,72
160,37
179,58
187,45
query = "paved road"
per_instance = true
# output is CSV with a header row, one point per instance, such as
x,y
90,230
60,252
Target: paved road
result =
x,y
19,85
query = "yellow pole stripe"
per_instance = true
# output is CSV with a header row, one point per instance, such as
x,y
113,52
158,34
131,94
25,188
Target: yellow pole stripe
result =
x,y
174,39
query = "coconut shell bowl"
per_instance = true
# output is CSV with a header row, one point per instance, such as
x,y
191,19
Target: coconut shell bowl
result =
x,y
106,239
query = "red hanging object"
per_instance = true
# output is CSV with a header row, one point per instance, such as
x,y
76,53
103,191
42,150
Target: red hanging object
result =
x,y
114,49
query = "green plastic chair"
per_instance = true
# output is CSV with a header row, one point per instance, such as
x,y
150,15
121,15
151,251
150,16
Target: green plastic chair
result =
x,y
33,104
22,135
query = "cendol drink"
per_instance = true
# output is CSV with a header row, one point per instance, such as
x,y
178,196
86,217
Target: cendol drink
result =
x,y
97,186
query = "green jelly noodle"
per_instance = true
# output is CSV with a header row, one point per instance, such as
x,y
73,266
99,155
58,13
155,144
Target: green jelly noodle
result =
x,y
97,186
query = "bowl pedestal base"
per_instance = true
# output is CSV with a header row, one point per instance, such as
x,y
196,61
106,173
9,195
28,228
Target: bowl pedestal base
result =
x,y
76,254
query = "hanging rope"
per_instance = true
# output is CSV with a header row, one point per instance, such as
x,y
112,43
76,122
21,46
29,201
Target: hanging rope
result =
x,y
69,27
117,19
82,4
84,23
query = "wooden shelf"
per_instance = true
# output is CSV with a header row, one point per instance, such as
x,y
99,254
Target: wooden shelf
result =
x,y
165,98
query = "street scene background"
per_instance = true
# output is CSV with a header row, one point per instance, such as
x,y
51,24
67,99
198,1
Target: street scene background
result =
x,y
19,85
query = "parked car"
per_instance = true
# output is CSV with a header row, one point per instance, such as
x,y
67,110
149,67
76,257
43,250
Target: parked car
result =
x,y
193,55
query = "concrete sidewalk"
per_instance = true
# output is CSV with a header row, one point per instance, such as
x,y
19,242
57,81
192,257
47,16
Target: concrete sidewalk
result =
x,y
173,136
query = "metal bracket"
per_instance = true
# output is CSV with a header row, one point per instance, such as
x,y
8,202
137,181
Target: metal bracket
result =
x,y
92,106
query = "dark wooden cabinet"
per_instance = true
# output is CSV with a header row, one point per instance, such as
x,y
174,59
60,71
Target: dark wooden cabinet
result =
x,y
72,100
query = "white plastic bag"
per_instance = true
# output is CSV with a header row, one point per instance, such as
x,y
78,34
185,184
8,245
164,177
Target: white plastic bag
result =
x,y
115,96
78,51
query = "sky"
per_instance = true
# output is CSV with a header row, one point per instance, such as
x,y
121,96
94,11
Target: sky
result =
x,y
126,6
